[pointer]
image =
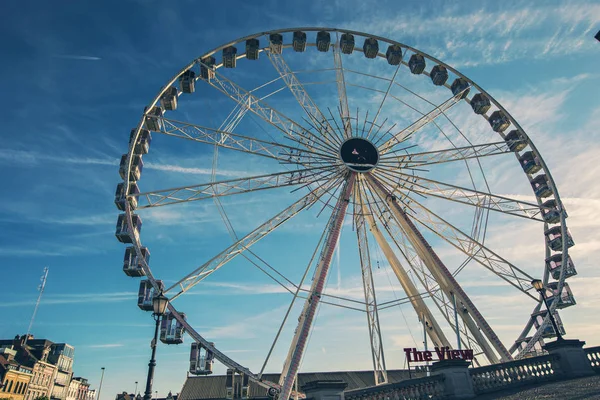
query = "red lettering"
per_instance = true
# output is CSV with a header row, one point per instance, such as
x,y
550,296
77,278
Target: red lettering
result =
x,y
428,355
455,354
440,353
407,354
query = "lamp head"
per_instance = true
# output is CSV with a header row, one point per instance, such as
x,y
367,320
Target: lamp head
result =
x,y
537,285
159,304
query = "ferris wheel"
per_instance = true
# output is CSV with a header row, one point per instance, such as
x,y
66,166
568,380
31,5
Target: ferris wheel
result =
x,y
342,124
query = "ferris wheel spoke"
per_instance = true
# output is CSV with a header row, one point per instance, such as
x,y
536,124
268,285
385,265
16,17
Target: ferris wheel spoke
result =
x,y
429,187
413,160
379,367
302,97
250,239
452,290
184,194
287,126
340,79
385,96
404,134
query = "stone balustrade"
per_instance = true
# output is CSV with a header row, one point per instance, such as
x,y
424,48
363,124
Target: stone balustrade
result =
x,y
431,387
593,354
515,373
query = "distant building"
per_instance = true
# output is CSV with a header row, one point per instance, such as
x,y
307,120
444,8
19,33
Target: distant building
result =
x,y
91,394
14,378
226,387
73,389
61,355
82,389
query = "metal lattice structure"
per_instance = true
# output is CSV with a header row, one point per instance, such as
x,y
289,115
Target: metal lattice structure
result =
x,y
388,181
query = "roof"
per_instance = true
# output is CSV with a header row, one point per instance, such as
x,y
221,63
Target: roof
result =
x,y
213,386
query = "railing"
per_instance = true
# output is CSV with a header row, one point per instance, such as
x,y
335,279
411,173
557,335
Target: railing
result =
x,y
593,354
431,387
513,374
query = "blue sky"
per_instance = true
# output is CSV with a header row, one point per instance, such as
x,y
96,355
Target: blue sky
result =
x,y
76,77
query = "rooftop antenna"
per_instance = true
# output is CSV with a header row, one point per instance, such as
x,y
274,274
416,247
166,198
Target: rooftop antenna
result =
x,y
37,303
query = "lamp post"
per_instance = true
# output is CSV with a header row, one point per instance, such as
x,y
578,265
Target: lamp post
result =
x,y
135,391
159,305
101,379
539,286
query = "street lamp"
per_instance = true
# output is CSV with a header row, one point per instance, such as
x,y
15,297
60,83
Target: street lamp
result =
x,y
101,379
539,286
159,305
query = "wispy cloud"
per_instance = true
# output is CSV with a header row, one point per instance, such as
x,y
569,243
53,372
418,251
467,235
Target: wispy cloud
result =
x,y
77,57
76,298
105,346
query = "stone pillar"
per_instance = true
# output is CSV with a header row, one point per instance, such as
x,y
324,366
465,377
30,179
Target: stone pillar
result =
x,y
458,383
324,390
572,360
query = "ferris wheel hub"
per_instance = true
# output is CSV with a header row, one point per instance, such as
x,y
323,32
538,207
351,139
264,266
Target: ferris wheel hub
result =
x,y
359,154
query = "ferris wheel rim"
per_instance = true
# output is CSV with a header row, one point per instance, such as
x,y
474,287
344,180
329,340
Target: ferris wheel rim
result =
x,y
551,182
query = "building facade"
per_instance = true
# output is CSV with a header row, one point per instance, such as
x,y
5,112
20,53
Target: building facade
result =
x,y
14,378
82,389
73,390
61,355
91,394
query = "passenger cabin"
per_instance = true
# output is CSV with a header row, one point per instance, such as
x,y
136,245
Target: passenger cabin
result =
x,y
276,43
168,100
137,165
323,41
515,141
535,351
131,265
187,81
229,57
207,65
371,48
171,330
438,75
554,265
416,64
252,49
299,41
142,146
550,211
548,332
480,104
122,233
555,240
121,194
347,43
530,163
540,186
460,87
147,293
394,54
153,121
564,299
201,360
499,121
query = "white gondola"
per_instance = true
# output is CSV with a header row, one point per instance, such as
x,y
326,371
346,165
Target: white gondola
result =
x,y
276,43
371,47
347,43
229,57
153,121
538,319
147,293
515,141
555,240
554,264
564,299
120,196
137,165
252,49
393,54
201,360
142,146
416,64
299,41
131,265
460,87
122,232
535,351
323,41
550,211
171,330
168,100
438,75
530,162
499,121
480,104
540,186
207,65
187,81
